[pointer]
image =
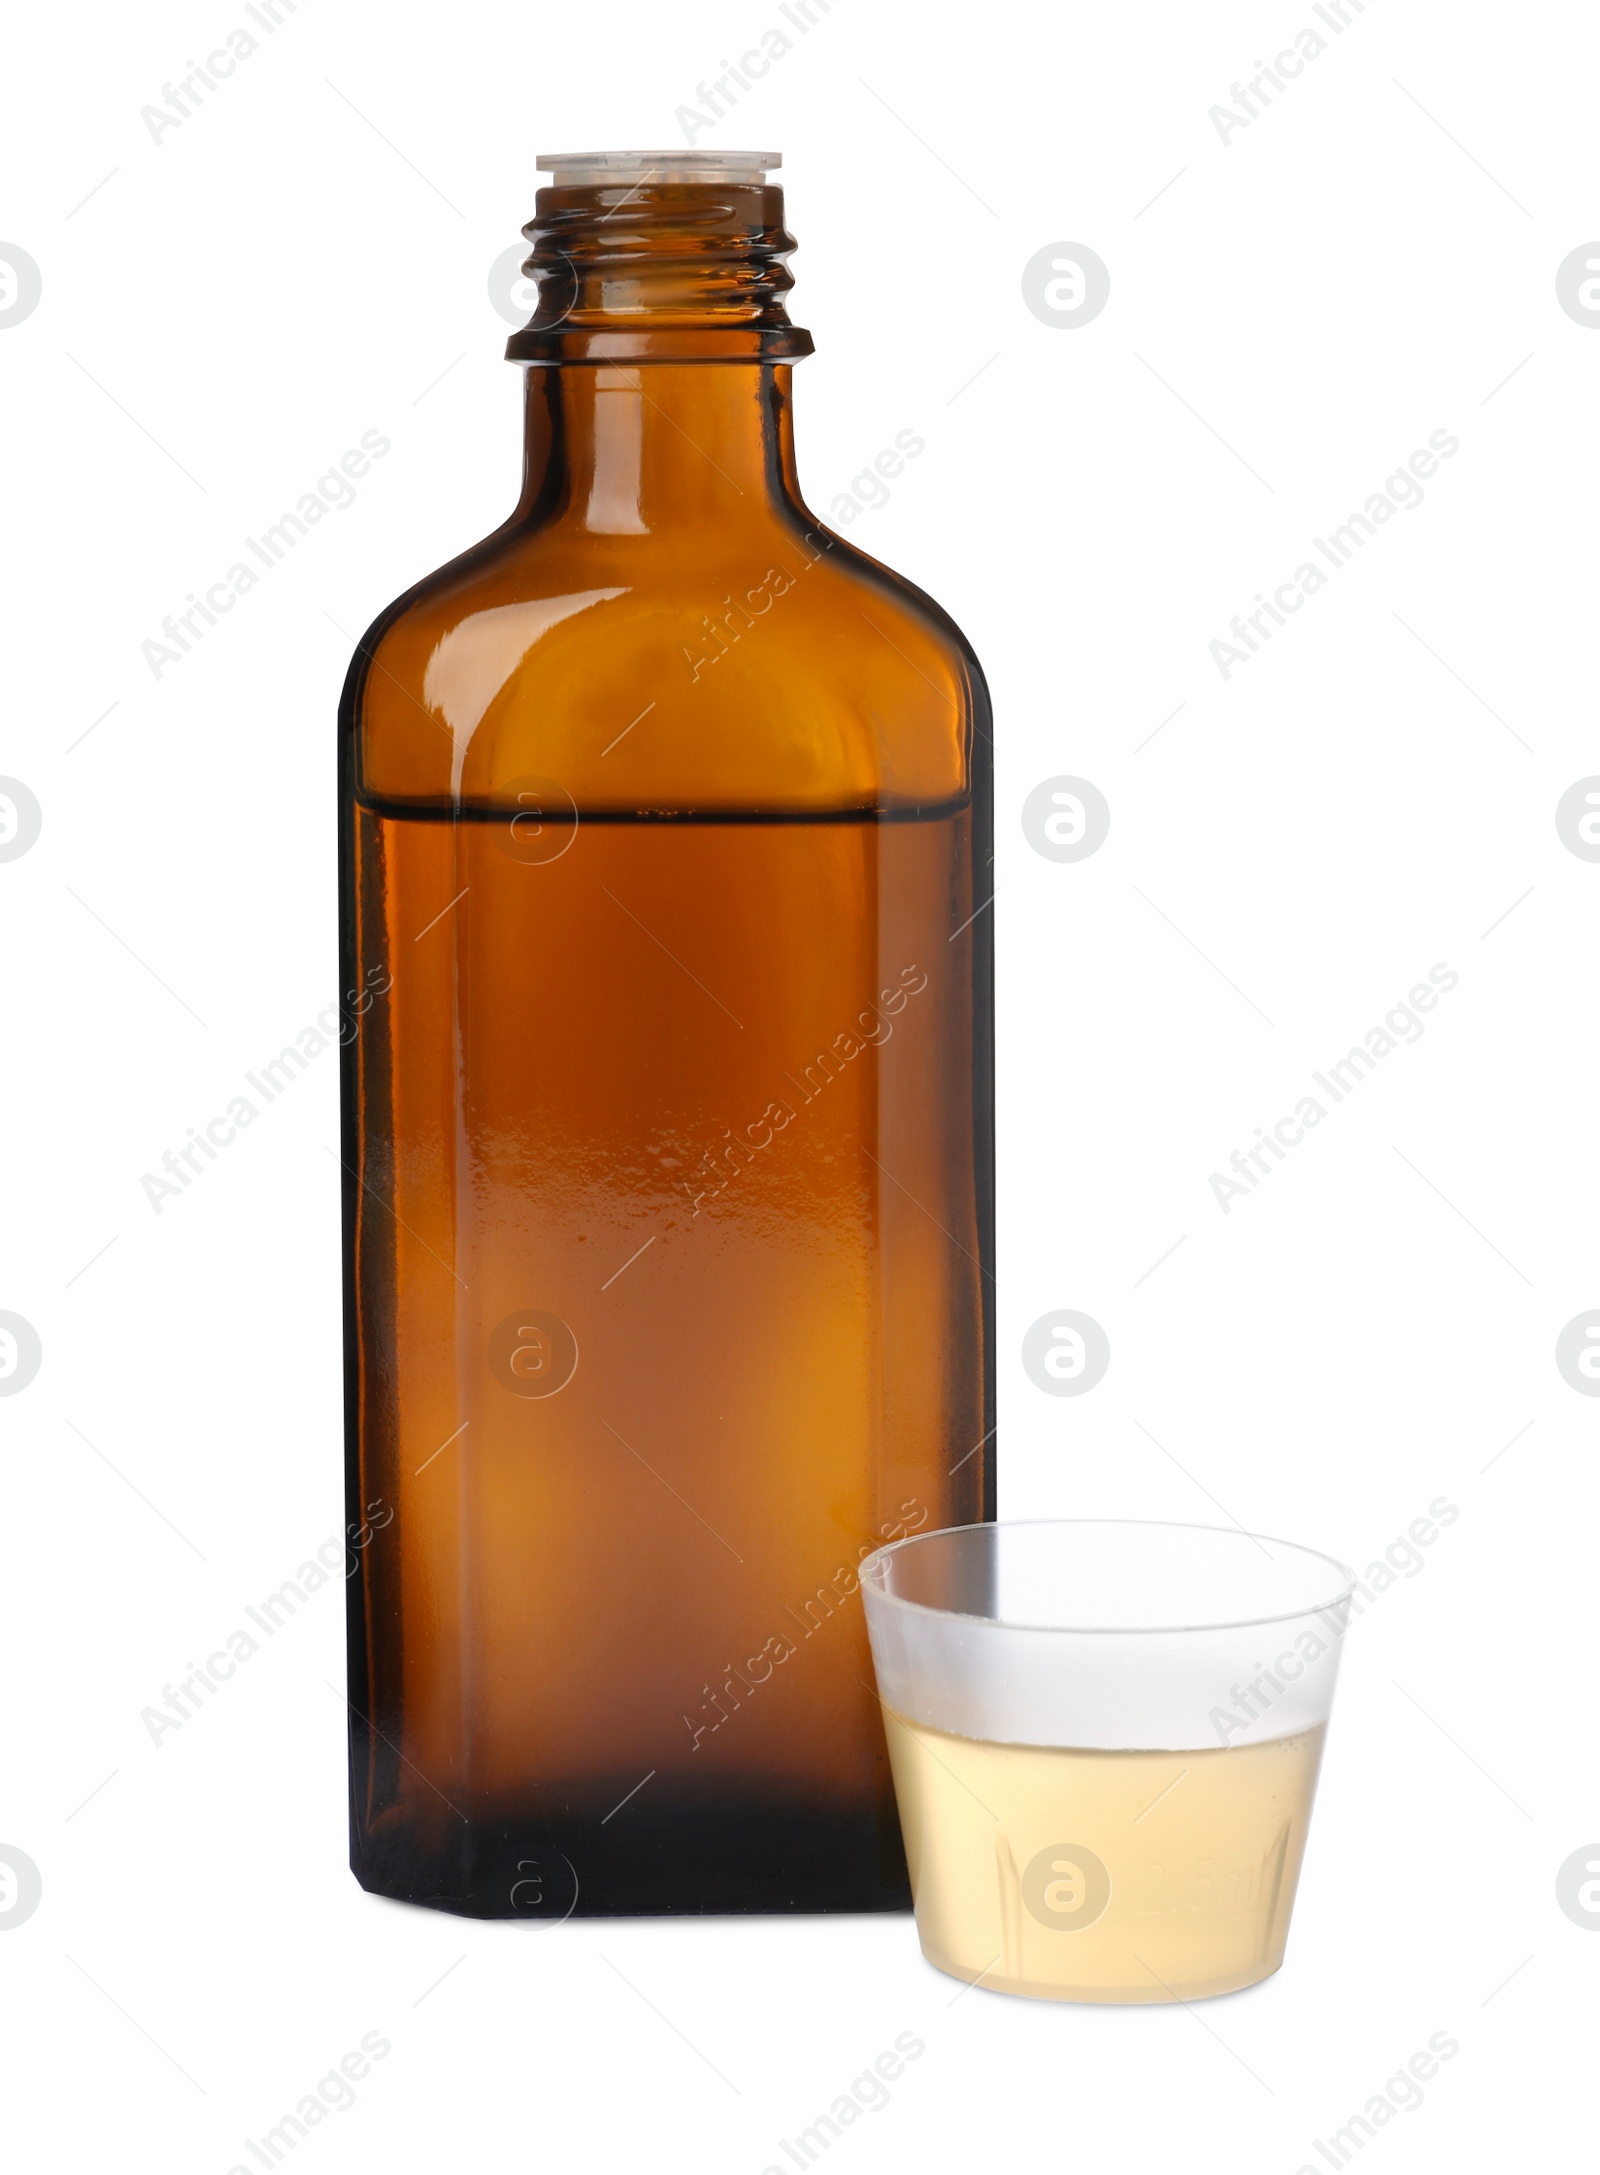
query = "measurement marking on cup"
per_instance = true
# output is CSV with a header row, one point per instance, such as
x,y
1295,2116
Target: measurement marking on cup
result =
x,y
1155,1801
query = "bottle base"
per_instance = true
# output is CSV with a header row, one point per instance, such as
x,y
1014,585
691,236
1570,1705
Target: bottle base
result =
x,y
690,1866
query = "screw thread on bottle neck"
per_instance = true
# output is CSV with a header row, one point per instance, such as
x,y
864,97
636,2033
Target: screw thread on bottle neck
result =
x,y
661,270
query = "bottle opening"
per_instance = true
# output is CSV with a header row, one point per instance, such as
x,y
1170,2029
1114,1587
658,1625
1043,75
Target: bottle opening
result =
x,y
590,169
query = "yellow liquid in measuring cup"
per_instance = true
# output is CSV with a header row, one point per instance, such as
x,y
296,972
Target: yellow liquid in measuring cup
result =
x,y
1103,1876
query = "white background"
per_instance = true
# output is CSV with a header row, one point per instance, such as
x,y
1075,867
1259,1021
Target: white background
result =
x,y
306,258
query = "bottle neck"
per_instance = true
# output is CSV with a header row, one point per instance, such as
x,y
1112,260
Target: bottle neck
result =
x,y
613,450
659,354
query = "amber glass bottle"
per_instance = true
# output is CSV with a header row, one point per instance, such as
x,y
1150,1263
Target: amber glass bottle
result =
x,y
665,829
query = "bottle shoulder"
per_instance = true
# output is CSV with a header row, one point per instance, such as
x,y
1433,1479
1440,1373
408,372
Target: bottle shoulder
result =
x,y
762,661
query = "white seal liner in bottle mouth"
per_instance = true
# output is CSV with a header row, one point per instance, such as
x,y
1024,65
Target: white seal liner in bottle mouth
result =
x,y
600,169
1107,1634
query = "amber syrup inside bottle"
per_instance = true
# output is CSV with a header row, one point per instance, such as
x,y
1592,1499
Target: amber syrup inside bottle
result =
x,y
665,835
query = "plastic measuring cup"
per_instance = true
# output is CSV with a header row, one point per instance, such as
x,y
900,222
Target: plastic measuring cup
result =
x,y
1105,1738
